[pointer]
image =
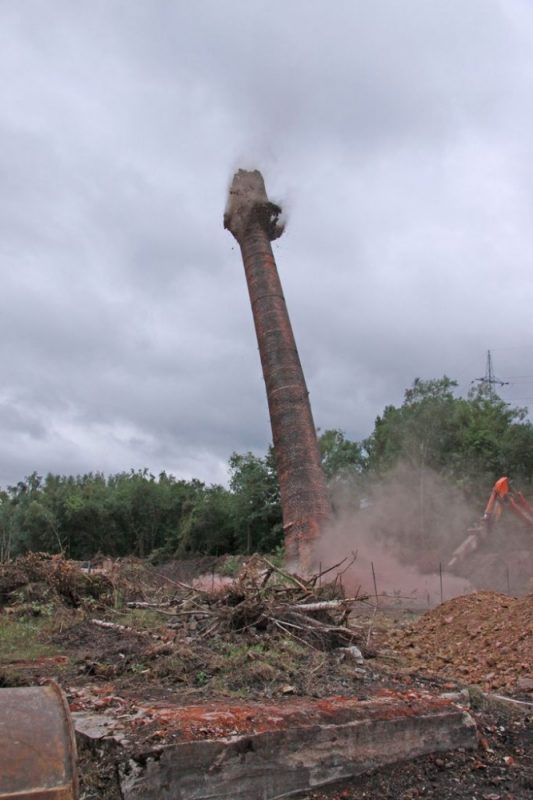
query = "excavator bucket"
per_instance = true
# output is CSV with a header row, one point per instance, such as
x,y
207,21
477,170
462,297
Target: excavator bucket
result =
x,y
37,745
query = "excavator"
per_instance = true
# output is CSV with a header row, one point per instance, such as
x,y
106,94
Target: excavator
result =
x,y
502,498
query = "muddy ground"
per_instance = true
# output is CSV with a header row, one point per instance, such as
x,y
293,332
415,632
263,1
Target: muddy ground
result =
x,y
195,649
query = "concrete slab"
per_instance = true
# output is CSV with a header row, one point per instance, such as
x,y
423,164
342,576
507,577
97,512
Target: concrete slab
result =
x,y
268,751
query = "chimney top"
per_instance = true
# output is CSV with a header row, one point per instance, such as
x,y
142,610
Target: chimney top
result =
x,y
248,204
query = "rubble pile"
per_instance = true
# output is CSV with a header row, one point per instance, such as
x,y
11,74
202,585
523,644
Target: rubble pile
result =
x,y
484,638
265,630
264,598
40,577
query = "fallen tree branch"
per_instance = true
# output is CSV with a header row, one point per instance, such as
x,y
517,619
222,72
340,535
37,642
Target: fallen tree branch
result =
x,y
282,627
323,605
319,575
143,604
286,575
115,626
182,585
324,626
176,613
347,567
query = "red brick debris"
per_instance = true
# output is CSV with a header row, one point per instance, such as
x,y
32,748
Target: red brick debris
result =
x,y
255,221
220,720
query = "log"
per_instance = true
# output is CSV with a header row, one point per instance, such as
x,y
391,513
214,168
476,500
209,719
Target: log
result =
x,y
115,626
323,605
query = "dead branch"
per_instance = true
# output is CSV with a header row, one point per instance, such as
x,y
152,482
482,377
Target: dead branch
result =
x,y
347,567
324,605
183,585
115,626
306,643
318,575
286,575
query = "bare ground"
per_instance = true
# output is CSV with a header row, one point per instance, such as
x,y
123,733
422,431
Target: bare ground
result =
x,y
48,631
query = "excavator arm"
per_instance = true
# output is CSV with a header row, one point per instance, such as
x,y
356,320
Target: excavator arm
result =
x,y
502,497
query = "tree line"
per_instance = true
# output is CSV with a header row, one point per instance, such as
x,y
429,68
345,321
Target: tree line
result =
x,y
468,441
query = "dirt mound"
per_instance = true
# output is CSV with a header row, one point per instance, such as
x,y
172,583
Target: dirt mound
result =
x,y
484,638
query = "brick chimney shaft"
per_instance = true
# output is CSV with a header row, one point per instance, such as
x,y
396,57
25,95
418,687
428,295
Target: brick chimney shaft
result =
x,y
255,221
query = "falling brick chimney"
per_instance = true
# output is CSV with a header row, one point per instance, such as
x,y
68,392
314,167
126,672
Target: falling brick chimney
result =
x,y
255,221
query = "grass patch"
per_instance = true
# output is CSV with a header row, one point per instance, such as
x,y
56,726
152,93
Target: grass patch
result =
x,y
22,638
10,679
259,666
231,566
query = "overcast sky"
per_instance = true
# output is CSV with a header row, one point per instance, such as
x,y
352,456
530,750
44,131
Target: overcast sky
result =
x,y
397,133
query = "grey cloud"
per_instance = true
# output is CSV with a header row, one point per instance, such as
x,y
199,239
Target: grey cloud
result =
x,y
398,138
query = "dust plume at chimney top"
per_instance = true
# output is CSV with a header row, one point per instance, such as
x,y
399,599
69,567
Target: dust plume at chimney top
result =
x,y
248,203
255,221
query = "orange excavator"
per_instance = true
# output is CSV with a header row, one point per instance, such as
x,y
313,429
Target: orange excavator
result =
x,y
503,497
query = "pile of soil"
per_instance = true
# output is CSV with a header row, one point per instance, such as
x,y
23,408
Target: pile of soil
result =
x,y
484,638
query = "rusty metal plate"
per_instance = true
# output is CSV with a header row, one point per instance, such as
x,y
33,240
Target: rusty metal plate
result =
x,y
37,745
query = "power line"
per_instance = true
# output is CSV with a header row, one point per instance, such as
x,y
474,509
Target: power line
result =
x,y
489,380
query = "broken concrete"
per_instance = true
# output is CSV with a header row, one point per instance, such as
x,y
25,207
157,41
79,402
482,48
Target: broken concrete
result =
x,y
272,751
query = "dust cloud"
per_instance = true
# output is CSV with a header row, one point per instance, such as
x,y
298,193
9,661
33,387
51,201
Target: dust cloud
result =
x,y
403,531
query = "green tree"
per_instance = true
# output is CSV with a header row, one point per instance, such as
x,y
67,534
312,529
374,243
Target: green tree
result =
x,y
471,441
206,525
257,510
339,456
495,439
6,527
344,465
421,432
